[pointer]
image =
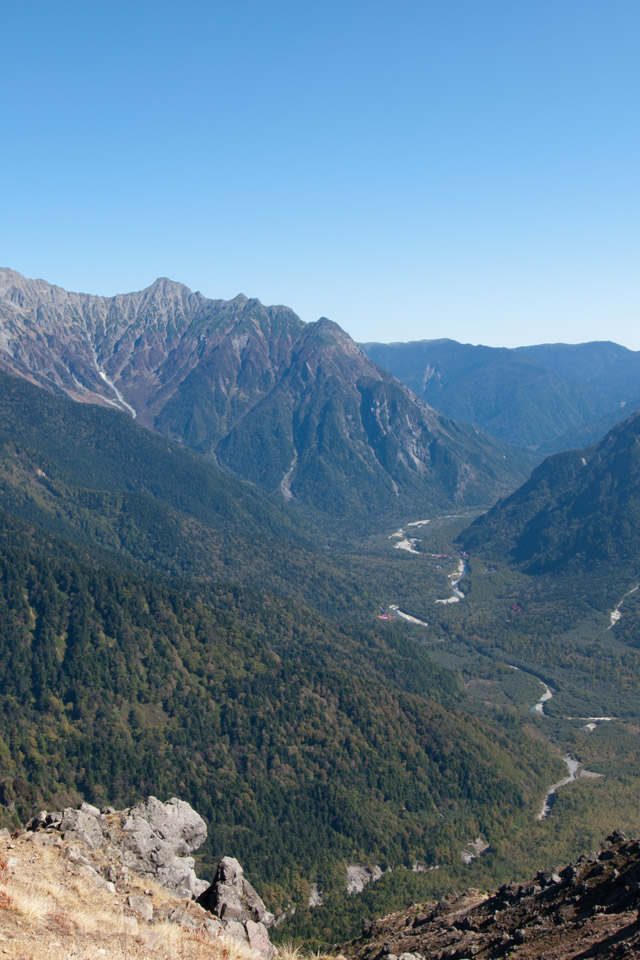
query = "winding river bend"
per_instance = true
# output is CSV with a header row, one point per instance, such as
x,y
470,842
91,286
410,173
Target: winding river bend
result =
x,y
574,767
539,706
575,770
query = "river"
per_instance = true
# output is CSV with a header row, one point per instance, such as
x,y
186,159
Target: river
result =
x,y
455,578
573,766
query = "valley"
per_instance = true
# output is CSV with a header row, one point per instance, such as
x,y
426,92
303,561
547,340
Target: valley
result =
x,y
503,675
253,570
319,628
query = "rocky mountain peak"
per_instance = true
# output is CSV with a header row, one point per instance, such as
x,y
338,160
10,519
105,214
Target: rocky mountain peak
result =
x,y
10,279
230,378
326,339
165,289
21,292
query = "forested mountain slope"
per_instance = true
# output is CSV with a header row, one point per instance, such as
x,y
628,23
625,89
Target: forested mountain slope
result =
x,y
93,476
167,629
579,510
609,367
305,743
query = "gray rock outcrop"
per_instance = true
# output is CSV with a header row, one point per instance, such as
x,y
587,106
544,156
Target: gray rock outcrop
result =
x,y
232,898
316,896
358,877
155,839
151,839
84,825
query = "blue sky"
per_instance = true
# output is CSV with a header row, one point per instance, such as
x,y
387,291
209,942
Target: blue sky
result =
x,y
461,168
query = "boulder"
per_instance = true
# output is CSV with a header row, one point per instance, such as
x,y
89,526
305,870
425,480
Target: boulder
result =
x,y
231,896
175,822
43,821
259,938
157,838
242,913
83,826
141,906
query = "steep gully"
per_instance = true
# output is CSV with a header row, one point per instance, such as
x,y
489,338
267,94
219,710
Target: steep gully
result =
x,y
616,614
121,402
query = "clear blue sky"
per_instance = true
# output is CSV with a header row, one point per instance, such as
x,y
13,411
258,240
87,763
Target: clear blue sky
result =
x,y
463,168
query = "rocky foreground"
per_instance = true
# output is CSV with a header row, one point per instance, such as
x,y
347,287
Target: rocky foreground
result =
x,y
587,910
85,883
88,883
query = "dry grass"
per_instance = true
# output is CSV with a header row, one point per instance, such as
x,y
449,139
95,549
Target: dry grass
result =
x,y
287,951
54,909
51,910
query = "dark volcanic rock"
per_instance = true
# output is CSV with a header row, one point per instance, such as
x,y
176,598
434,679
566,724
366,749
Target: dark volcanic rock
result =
x,y
588,910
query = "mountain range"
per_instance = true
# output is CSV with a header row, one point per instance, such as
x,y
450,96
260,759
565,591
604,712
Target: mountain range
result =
x,y
297,408
548,398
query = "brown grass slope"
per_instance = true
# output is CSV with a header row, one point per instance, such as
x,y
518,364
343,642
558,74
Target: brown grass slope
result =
x,y
54,906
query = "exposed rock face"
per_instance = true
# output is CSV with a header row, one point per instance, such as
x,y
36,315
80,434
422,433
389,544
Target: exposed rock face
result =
x,y
588,909
475,848
157,839
359,877
297,408
150,839
85,825
316,896
153,840
232,898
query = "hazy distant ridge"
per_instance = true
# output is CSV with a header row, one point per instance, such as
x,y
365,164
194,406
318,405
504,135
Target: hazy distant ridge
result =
x,y
548,397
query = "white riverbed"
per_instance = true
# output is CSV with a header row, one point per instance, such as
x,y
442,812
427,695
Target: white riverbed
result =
x,y
574,767
408,544
455,578
547,695
397,612
616,614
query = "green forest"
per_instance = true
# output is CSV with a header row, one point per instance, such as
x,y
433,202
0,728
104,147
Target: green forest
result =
x,y
169,630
